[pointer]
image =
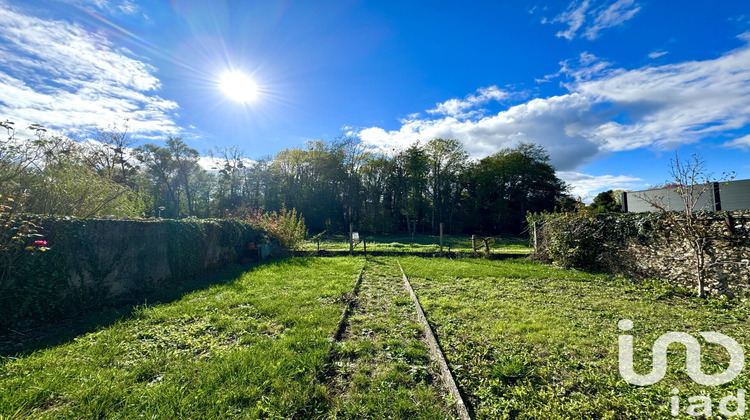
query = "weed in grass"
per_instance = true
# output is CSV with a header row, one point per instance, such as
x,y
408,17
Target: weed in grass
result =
x,y
509,369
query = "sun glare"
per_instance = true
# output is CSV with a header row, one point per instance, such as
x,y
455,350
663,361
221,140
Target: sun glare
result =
x,y
238,86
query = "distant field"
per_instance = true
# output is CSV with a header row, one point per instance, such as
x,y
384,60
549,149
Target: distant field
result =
x,y
420,243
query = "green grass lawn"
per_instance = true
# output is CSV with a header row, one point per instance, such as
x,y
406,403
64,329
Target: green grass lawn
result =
x,y
530,341
420,243
256,347
250,348
523,339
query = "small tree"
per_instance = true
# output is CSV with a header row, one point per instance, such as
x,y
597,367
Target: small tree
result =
x,y
690,181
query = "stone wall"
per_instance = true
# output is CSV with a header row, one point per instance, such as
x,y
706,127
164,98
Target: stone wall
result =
x,y
91,263
647,246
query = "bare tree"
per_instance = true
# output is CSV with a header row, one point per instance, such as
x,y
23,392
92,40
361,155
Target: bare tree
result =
x,y
691,183
232,167
186,163
16,155
110,154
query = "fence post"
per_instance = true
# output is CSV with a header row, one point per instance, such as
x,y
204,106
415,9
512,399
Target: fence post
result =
x,y
351,238
441,239
536,241
473,244
364,245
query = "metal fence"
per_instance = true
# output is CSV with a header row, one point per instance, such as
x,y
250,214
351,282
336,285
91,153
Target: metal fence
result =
x,y
732,195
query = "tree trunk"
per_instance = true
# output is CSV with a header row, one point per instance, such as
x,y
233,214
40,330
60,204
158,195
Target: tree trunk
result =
x,y
700,256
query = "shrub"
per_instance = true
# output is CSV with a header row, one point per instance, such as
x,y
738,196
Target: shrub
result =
x,y
586,239
286,227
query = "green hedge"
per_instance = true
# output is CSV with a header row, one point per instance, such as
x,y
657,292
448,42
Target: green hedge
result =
x,y
587,241
95,262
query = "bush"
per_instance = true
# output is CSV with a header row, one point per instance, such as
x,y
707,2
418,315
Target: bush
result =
x,y
587,239
286,227
17,236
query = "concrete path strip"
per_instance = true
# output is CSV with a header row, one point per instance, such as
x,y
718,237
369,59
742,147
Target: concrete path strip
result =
x,y
437,353
348,308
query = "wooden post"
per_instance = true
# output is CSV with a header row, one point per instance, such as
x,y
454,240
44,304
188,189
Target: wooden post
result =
x,y
536,243
351,238
473,244
441,239
364,245
487,246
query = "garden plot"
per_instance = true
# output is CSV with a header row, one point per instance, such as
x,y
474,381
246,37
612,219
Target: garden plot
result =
x,y
251,348
522,339
529,341
381,368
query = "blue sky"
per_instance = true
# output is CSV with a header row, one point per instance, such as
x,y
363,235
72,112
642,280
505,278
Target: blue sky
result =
x,y
611,88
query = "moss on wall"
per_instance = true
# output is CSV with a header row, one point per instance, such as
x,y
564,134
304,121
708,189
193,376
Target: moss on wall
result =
x,y
94,262
645,245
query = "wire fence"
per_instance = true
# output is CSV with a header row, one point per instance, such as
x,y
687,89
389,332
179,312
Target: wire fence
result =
x,y
420,244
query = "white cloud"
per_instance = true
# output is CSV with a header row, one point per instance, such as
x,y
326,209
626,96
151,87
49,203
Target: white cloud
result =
x,y
739,143
657,54
127,7
214,164
606,110
587,186
59,75
581,16
574,17
614,15
458,107
588,67
669,105
550,122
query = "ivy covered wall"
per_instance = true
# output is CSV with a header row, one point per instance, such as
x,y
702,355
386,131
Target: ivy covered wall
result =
x,y
92,262
648,245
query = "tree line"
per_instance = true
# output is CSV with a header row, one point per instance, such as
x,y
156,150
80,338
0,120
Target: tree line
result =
x,y
331,183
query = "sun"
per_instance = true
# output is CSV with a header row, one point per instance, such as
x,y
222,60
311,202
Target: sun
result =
x,y
238,86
